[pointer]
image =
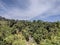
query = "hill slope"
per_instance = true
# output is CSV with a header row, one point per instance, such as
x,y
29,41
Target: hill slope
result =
x,y
23,32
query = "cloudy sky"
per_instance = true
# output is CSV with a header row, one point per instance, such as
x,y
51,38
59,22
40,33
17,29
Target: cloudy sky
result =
x,y
48,10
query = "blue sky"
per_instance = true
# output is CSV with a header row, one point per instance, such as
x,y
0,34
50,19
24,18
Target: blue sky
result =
x,y
30,9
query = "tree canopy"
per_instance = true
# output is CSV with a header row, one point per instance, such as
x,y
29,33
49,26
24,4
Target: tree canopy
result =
x,y
21,32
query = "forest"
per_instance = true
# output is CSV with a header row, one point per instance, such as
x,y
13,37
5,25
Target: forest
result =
x,y
25,32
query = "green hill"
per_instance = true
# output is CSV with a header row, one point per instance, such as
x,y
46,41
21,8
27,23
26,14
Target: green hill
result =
x,y
24,32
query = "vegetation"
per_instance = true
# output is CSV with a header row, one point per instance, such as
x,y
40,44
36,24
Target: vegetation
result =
x,y
23,32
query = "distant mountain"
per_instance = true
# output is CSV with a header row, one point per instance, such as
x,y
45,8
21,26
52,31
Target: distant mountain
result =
x,y
49,18
2,18
53,18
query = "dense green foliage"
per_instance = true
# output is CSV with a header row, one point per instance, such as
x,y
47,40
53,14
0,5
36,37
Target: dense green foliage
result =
x,y
20,32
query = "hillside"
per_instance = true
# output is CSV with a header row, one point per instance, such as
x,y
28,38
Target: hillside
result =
x,y
23,32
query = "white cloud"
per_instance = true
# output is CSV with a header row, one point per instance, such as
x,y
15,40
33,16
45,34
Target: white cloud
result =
x,y
37,7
